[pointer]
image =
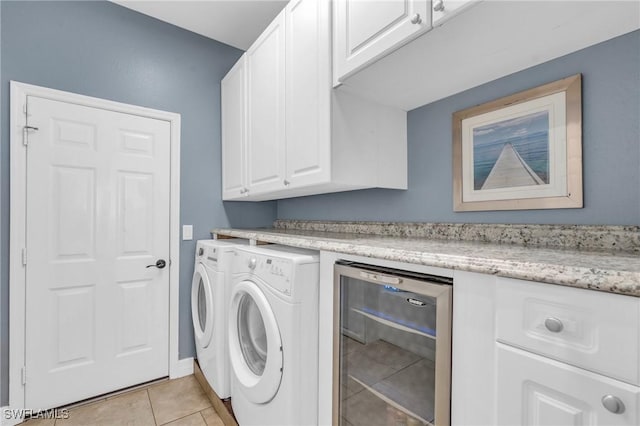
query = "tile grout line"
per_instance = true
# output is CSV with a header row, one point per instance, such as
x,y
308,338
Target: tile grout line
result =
x,y
153,413
185,416
146,388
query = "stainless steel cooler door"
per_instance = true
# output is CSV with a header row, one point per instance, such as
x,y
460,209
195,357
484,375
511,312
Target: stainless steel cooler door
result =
x,y
392,348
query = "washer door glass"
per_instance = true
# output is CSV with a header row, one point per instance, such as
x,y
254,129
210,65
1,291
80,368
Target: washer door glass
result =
x,y
255,345
252,335
202,306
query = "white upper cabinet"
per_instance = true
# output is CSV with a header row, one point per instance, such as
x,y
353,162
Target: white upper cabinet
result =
x,y
471,43
303,137
442,10
266,109
366,30
233,88
308,99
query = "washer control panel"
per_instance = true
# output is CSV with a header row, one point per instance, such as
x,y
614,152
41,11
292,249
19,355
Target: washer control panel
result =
x,y
274,271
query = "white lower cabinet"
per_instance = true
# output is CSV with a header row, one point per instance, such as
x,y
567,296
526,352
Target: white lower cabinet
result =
x,y
584,328
527,353
301,137
534,390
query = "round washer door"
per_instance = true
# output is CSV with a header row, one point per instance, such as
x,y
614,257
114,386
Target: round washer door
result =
x,y
202,306
255,346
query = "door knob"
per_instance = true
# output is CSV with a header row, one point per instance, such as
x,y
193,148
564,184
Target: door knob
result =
x,y
159,264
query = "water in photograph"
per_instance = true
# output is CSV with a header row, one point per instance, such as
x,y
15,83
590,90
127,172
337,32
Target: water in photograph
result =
x,y
529,135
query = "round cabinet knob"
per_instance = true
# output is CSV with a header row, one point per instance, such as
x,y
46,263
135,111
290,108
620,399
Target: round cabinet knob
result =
x,y
416,19
613,404
439,6
200,251
554,325
252,263
286,182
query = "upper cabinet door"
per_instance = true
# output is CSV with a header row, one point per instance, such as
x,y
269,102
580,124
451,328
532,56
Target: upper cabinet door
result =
x,y
366,30
233,91
266,109
445,9
308,92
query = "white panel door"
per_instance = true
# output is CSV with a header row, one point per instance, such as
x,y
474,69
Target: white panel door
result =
x,y
234,124
366,30
308,92
265,109
97,215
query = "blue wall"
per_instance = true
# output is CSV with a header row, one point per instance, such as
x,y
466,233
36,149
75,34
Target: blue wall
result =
x,y
104,50
611,150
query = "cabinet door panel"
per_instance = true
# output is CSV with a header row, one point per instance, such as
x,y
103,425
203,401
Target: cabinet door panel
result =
x,y
265,109
366,30
308,91
233,131
532,390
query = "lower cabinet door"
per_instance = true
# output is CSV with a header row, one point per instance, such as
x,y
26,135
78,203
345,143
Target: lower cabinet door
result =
x,y
533,390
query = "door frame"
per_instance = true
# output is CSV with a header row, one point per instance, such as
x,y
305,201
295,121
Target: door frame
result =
x,y
18,225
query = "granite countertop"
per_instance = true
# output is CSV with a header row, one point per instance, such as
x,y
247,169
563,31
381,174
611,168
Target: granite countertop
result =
x,y
610,271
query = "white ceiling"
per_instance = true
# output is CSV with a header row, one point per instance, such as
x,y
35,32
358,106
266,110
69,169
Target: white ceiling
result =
x,y
234,22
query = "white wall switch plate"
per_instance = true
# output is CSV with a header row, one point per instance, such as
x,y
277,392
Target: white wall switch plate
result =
x,y
187,232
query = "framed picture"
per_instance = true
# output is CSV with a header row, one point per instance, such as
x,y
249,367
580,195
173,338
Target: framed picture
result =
x,y
522,151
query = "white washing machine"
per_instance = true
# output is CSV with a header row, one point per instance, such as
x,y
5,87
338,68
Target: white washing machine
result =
x,y
209,309
273,336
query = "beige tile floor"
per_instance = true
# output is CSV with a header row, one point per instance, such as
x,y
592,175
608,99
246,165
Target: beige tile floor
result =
x,y
172,402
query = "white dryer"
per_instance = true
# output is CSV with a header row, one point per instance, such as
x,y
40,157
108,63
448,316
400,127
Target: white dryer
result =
x,y
209,309
273,336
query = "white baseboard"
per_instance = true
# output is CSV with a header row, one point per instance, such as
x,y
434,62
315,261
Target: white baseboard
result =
x,y
184,367
7,418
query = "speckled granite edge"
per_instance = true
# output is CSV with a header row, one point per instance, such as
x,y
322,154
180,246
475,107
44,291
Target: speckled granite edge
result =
x,y
618,274
581,237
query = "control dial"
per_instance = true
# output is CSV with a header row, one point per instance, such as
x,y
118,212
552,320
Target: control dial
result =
x,y
252,263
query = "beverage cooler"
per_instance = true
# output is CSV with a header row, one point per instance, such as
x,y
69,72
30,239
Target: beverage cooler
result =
x,y
392,347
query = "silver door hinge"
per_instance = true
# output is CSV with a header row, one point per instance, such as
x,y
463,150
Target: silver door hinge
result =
x,y
24,256
24,375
